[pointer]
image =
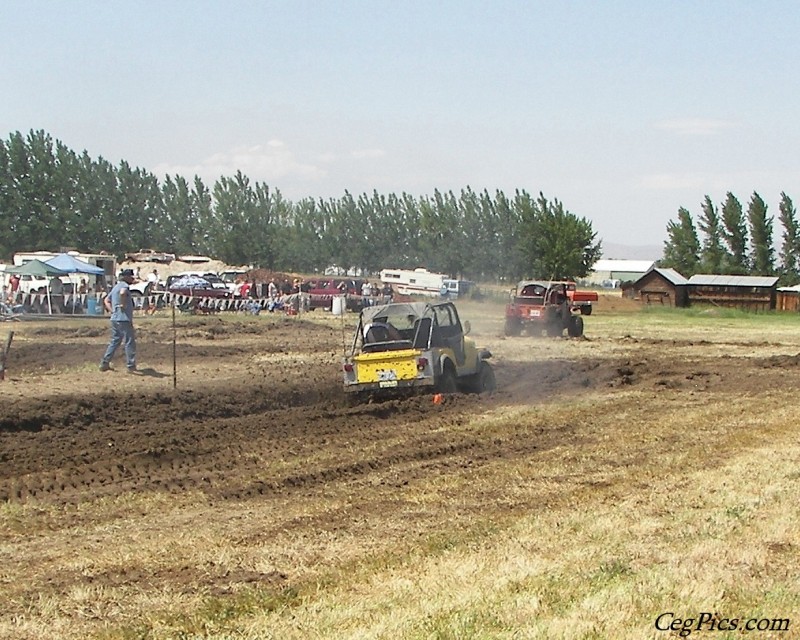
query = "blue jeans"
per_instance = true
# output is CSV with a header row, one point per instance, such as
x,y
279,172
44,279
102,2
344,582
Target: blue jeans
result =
x,y
122,332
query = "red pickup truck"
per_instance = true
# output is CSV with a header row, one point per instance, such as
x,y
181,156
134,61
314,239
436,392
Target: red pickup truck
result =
x,y
321,292
580,300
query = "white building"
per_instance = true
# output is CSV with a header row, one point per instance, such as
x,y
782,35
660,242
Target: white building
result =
x,y
609,272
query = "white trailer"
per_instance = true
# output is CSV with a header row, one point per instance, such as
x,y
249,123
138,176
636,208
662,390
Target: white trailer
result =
x,y
419,282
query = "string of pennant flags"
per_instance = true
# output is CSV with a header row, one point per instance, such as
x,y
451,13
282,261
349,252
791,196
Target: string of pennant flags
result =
x,y
153,300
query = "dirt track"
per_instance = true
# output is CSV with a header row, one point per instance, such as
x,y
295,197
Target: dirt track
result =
x,y
116,433
259,414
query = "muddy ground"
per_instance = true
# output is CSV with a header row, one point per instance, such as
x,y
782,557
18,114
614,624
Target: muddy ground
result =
x,y
252,392
247,391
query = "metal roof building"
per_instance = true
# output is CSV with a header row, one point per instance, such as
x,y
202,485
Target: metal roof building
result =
x,y
664,287
606,270
708,280
752,293
788,298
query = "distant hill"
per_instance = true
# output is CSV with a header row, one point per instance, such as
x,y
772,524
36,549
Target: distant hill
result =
x,y
616,251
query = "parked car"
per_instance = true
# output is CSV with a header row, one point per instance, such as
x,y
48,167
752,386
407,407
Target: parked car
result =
x,y
233,279
322,291
209,285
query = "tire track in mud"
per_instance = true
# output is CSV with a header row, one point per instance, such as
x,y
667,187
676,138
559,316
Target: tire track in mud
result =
x,y
254,442
240,457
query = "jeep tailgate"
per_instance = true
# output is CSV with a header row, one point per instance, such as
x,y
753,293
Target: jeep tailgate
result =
x,y
387,367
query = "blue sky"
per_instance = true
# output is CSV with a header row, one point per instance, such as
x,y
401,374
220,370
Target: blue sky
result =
x,y
622,110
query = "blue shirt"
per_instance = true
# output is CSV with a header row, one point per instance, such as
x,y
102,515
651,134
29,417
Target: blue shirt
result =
x,y
118,312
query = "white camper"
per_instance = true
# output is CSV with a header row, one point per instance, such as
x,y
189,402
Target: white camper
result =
x,y
419,282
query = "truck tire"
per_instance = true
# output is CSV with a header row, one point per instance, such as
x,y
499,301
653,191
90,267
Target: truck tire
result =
x,y
513,327
484,381
575,329
586,310
447,382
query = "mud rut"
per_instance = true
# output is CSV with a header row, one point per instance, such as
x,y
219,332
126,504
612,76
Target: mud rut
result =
x,y
223,440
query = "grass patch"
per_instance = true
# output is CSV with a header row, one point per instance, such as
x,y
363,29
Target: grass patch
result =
x,y
566,513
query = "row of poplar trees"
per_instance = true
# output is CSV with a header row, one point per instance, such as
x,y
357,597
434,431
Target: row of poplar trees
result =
x,y
735,242
52,197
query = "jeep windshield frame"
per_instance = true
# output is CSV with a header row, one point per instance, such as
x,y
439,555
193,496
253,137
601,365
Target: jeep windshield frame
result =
x,y
413,322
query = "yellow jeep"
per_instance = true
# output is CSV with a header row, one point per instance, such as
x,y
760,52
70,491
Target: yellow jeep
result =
x,y
413,345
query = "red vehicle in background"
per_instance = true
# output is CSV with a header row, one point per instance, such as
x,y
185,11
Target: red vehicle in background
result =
x,y
581,300
322,291
539,306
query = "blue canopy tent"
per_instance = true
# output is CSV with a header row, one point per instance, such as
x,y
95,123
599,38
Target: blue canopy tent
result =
x,y
71,264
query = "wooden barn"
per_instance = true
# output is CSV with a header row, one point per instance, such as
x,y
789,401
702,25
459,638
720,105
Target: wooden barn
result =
x,y
664,287
751,293
788,298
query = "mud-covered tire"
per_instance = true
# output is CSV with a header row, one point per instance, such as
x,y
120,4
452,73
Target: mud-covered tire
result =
x,y
447,382
484,381
513,327
586,310
575,328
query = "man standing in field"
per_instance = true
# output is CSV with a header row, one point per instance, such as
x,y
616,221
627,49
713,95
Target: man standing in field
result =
x,y
120,305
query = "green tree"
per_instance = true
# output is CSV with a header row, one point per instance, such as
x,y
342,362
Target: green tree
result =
x,y
141,209
203,212
33,220
761,236
259,218
555,244
179,223
301,246
682,248
97,223
713,256
735,235
443,241
511,263
479,221
51,198
6,203
791,239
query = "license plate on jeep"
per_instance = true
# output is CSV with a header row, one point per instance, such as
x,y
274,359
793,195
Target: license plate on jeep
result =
x,y
387,383
534,313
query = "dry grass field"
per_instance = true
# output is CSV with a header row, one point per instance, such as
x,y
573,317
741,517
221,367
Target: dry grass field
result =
x,y
652,467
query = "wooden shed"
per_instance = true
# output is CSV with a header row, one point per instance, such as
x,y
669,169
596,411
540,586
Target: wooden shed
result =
x,y
751,293
664,287
788,298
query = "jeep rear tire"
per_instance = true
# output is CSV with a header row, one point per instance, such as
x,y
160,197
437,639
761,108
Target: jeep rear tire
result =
x,y
575,328
447,382
513,327
484,381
